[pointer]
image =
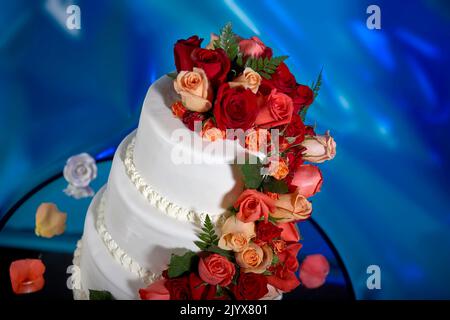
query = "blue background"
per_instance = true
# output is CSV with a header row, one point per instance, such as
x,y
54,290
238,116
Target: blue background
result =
x,y
385,98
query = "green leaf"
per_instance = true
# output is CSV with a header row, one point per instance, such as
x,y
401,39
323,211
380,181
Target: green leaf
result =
x,y
265,66
252,175
276,186
226,253
208,236
172,75
227,41
100,295
275,259
315,87
219,291
181,264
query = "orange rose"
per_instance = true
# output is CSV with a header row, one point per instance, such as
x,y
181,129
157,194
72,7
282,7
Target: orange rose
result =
x,y
292,207
254,258
178,110
253,205
210,132
216,269
195,90
249,79
279,245
236,235
278,168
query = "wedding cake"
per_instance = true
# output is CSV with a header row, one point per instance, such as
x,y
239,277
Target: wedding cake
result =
x,y
180,217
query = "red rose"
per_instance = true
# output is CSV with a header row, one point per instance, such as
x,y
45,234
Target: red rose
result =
x,y
235,108
276,110
289,256
267,231
182,52
215,63
283,80
203,291
296,128
290,232
179,288
302,97
250,286
309,131
282,278
216,269
190,118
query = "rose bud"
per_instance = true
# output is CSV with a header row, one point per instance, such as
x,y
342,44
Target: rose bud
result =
x,y
307,179
182,52
278,168
194,89
178,110
252,47
319,148
314,270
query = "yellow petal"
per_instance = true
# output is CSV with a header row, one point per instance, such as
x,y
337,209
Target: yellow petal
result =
x,y
50,221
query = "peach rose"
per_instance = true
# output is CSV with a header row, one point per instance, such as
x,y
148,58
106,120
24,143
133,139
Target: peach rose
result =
x,y
307,179
319,148
257,140
236,235
210,132
253,205
249,79
278,168
155,291
291,207
213,37
254,258
50,221
252,47
195,90
216,269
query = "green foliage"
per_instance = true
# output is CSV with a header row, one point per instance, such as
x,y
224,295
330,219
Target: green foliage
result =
x,y
227,41
208,236
276,186
264,66
252,174
100,295
181,264
315,87
172,75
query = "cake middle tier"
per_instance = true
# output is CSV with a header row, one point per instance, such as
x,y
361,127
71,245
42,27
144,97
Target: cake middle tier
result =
x,y
192,172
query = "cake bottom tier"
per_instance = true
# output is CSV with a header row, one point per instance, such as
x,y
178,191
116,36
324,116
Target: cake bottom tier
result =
x,y
98,270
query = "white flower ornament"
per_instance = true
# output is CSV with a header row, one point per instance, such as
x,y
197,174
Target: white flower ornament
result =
x,y
79,171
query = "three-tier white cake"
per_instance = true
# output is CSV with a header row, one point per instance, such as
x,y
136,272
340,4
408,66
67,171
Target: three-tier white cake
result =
x,y
152,205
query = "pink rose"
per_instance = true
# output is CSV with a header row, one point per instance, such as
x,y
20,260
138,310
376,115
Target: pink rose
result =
x,y
252,47
216,269
314,271
254,205
155,291
319,148
276,110
308,180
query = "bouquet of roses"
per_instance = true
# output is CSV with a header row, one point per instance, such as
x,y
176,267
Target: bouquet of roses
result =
x,y
231,84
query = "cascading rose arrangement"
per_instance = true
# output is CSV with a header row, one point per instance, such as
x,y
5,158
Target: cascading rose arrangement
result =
x,y
236,83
